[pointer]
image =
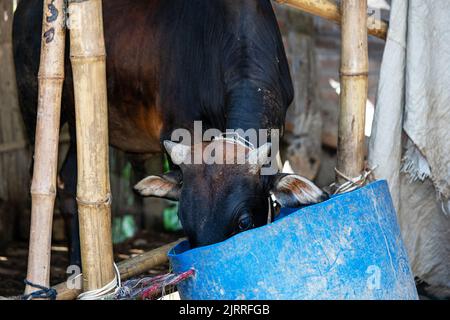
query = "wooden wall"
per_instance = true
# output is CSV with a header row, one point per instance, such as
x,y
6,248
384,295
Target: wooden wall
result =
x,y
302,140
14,155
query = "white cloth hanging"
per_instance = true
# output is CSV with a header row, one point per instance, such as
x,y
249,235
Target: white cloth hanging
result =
x,y
410,143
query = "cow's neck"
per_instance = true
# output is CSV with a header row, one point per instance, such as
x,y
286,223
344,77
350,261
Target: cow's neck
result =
x,y
253,107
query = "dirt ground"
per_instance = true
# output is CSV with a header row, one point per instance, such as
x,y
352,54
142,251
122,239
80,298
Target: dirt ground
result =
x,y
13,259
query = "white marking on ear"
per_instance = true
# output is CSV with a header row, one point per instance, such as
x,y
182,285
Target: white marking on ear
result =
x,y
295,190
155,186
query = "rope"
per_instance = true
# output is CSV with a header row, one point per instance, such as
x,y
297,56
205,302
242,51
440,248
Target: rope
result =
x,y
351,184
106,292
234,137
172,280
148,288
42,293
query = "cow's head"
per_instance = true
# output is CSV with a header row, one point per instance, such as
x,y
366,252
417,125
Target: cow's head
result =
x,y
217,201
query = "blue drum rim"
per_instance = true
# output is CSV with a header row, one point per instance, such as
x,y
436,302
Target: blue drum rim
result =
x,y
173,255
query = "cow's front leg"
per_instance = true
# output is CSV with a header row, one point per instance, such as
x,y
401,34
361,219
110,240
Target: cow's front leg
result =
x,y
67,190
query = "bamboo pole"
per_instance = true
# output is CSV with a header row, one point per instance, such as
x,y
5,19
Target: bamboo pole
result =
x,y
43,187
354,88
329,10
128,269
93,189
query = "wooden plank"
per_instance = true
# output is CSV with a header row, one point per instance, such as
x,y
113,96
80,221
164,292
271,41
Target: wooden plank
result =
x,y
329,10
22,144
13,146
128,269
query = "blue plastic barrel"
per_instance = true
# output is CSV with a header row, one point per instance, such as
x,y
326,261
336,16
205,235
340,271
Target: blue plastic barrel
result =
x,y
348,247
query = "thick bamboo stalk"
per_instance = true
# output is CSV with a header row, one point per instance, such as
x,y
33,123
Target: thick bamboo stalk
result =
x,y
128,269
43,187
93,190
354,87
329,10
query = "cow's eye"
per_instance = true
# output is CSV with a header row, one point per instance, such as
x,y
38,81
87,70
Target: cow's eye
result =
x,y
245,222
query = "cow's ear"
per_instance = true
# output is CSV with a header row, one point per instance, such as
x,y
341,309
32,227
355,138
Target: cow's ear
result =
x,y
159,186
292,191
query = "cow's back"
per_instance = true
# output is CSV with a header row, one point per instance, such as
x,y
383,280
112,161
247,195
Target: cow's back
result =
x,y
168,64
131,74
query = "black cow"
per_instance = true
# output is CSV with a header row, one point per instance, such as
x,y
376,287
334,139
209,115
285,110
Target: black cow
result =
x,y
170,63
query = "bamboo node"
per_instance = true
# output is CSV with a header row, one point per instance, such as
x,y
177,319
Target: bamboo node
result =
x,y
105,202
40,193
353,74
50,77
90,58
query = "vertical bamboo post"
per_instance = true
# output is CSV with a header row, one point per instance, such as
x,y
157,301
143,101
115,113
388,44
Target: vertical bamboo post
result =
x,y
354,87
93,191
43,187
